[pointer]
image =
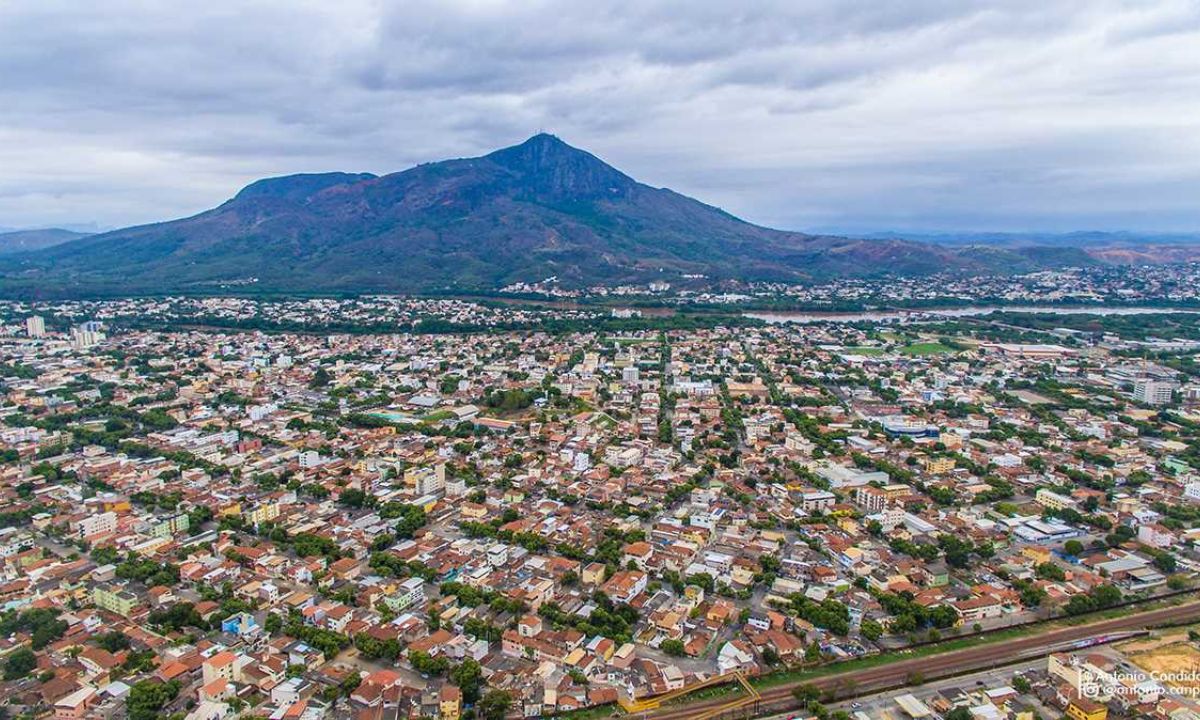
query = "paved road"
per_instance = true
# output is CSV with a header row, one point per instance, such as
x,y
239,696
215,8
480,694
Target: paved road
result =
x,y
950,663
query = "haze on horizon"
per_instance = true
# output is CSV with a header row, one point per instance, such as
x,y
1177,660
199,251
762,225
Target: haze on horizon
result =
x,y
920,115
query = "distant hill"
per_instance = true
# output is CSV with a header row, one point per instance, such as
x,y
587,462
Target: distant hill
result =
x,y
1078,239
524,213
16,241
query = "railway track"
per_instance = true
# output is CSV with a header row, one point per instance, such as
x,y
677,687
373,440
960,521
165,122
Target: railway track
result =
x,y
956,662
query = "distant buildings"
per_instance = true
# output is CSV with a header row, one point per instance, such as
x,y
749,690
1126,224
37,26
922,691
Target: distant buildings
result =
x,y
426,480
35,326
1028,351
787,472
1153,392
1050,499
98,524
410,593
171,526
115,600
900,426
86,335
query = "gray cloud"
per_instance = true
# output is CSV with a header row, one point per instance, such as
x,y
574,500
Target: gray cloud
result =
x,y
864,115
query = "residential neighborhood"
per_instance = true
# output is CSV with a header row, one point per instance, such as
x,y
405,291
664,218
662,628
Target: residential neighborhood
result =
x,y
204,521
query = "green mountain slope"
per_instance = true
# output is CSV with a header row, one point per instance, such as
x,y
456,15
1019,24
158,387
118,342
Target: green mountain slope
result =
x,y
524,213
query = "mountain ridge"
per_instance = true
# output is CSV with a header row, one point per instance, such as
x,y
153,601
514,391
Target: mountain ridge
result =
x,y
538,209
19,241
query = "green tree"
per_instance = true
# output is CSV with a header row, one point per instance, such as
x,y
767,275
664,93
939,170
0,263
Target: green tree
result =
x,y
807,693
42,624
494,705
355,498
1050,571
320,378
1165,562
426,664
468,676
871,630
113,641
20,663
147,698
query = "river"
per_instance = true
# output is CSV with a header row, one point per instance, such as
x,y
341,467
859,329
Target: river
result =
x,y
935,314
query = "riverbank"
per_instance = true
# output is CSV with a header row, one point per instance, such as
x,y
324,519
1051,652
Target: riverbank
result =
x,y
902,315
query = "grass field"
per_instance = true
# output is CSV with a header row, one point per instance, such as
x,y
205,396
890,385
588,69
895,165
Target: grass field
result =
x,y
926,348
920,349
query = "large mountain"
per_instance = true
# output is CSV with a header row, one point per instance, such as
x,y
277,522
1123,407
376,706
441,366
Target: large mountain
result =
x,y
528,212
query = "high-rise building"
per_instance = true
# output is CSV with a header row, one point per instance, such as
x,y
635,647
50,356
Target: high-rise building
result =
x,y
35,326
86,335
1153,392
425,479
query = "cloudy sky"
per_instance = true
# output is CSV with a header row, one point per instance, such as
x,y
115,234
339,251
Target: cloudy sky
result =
x,y
851,115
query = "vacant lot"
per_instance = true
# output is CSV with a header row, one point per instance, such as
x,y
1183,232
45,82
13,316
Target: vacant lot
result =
x,y
1170,658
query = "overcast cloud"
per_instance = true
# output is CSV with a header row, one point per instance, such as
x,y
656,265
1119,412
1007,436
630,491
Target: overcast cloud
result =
x,y
870,115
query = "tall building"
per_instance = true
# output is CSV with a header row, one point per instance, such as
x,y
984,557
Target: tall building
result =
x,y
1153,392
426,480
35,326
114,599
96,524
86,335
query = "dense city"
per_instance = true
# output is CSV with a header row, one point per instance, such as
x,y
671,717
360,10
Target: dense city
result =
x,y
391,507
595,360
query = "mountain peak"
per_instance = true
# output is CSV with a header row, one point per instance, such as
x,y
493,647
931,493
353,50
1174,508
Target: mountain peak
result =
x,y
538,209
543,143
553,169
549,140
